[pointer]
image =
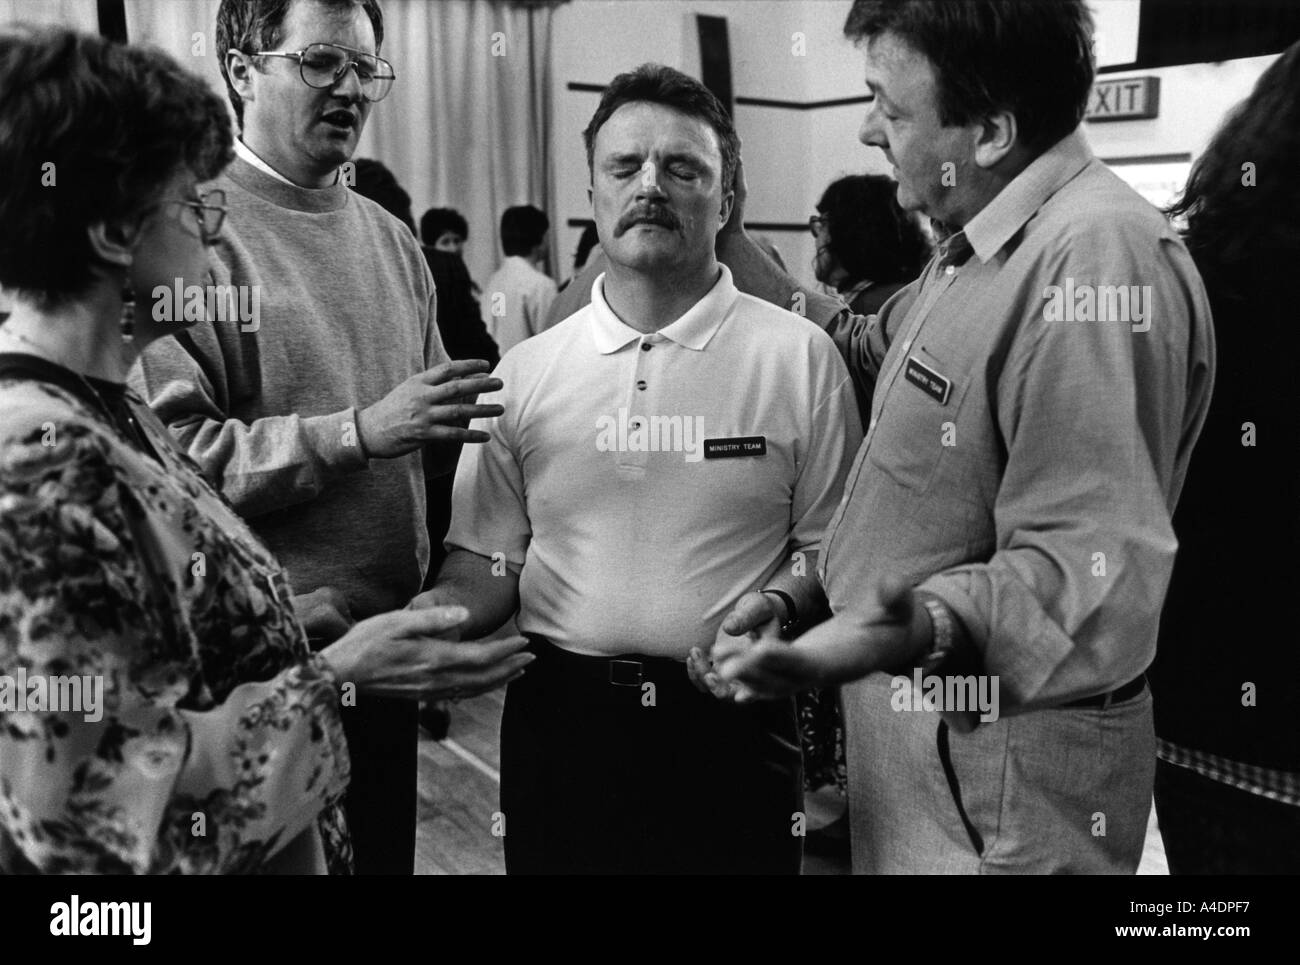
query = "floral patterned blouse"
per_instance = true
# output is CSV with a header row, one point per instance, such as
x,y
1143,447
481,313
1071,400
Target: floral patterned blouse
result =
x,y
217,745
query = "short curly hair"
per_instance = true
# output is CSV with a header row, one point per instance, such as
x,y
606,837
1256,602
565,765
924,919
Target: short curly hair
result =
x,y
90,130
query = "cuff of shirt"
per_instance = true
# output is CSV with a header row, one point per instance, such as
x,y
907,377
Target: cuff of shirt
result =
x,y
336,440
1023,662
823,309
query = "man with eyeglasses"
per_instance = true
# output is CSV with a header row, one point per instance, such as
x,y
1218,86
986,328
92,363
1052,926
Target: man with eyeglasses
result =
x,y
312,416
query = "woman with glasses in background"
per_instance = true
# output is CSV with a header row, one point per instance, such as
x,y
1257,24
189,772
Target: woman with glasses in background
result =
x,y
867,246
160,711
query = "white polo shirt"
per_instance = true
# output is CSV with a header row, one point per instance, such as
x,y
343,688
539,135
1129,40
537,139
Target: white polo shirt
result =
x,y
646,482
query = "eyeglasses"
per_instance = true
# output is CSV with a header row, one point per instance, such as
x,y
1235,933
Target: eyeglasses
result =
x,y
211,211
323,65
817,223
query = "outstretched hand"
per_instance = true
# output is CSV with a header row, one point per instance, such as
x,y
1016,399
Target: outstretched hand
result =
x,y
889,631
753,618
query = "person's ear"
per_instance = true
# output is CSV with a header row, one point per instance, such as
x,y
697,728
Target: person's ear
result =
x,y
114,242
239,68
995,138
724,212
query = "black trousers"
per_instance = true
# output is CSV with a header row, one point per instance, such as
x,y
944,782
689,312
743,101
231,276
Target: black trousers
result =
x,y
645,776
383,737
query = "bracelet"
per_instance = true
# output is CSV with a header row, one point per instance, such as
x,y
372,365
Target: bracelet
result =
x,y
791,612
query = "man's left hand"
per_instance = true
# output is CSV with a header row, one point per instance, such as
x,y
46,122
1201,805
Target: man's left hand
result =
x,y
890,631
753,618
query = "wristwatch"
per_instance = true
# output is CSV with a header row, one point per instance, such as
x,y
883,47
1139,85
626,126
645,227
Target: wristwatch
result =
x,y
944,633
791,613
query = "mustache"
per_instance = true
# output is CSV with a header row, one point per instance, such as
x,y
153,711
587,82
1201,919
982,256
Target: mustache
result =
x,y
648,214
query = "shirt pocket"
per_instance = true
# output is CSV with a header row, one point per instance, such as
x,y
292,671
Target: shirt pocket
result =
x,y
917,431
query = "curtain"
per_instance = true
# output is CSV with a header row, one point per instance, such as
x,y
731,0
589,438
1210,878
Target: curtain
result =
x,y
186,29
467,124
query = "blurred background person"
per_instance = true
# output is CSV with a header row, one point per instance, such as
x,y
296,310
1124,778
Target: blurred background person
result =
x,y
460,323
445,229
519,294
588,241
867,246
1226,678
119,563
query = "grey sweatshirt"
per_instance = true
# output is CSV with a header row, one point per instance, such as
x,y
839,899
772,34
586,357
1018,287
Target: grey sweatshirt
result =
x,y
267,405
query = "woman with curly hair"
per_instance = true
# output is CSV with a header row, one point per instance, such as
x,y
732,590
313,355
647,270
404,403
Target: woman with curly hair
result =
x,y
1226,679
867,246
160,710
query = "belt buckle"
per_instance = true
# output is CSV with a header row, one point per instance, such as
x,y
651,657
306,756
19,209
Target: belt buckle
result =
x,y
625,673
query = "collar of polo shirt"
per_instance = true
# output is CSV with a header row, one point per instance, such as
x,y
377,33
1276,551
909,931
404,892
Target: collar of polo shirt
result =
x,y
693,330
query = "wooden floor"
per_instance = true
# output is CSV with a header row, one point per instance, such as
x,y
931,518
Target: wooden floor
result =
x,y
460,780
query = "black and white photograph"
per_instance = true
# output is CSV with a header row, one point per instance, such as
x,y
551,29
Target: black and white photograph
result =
x,y
650,438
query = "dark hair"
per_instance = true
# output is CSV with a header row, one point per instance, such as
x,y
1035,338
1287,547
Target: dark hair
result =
x,y
523,228
376,182
116,123
1244,233
657,84
436,222
1030,57
251,25
871,236
588,241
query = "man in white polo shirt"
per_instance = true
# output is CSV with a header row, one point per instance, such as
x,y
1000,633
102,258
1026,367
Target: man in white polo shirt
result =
x,y
666,462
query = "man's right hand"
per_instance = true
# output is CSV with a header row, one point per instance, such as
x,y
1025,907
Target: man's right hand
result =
x,y
434,406
406,653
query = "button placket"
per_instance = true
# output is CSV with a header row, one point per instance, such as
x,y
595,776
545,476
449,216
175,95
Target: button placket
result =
x,y
640,398
878,411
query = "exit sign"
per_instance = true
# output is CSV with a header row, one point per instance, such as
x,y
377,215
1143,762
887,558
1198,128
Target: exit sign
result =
x,y
1126,99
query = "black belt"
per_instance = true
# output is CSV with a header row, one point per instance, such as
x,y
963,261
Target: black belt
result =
x,y
1127,692
624,670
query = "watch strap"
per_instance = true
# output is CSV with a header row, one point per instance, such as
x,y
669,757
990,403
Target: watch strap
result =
x,y
792,612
